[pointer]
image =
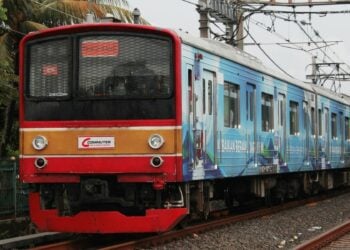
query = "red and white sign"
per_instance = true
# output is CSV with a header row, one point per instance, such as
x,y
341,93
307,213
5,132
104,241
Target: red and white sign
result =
x,y
93,142
49,69
100,48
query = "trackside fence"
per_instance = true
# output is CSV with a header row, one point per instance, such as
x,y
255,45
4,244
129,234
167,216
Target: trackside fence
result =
x,y
13,193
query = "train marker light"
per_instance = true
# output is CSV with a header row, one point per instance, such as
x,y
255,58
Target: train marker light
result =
x,y
156,161
40,142
156,141
40,162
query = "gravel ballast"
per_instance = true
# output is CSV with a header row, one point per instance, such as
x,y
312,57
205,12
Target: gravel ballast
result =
x,y
283,230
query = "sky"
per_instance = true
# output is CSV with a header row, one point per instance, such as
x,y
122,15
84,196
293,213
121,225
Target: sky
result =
x,y
180,14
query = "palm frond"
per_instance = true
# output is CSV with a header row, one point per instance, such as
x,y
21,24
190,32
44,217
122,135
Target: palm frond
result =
x,y
117,3
70,11
7,76
5,52
29,26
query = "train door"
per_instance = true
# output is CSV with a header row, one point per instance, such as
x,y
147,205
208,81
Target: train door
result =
x,y
307,133
326,132
342,138
281,127
209,121
191,117
251,125
204,124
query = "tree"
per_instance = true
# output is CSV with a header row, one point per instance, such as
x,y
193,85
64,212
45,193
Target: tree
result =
x,y
17,18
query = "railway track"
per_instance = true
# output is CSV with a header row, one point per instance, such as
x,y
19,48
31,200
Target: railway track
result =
x,y
336,238
154,240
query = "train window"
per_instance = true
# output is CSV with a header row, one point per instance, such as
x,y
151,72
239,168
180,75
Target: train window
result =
x,y
210,97
293,118
313,120
326,121
334,125
267,112
306,116
320,122
250,101
231,105
124,67
281,110
190,89
347,128
49,69
203,96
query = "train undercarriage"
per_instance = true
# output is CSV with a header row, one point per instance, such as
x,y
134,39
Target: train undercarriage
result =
x,y
99,204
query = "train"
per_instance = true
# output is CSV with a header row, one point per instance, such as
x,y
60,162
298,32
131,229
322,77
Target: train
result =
x,y
128,128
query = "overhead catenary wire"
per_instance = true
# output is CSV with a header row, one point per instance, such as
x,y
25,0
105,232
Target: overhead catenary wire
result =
x,y
186,1
299,24
265,53
266,12
312,41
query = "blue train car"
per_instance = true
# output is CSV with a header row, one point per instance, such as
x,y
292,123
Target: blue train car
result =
x,y
256,129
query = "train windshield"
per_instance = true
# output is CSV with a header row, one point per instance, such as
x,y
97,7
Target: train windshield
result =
x,y
124,67
99,76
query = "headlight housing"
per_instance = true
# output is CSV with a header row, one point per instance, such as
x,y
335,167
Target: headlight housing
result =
x,y
39,142
155,141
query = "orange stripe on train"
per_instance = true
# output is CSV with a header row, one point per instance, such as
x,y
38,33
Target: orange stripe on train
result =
x,y
101,141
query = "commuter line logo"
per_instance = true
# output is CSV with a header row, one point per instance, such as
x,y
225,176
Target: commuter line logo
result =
x,y
93,142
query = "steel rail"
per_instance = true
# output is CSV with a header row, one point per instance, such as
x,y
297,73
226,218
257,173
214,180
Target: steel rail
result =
x,y
211,225
326,238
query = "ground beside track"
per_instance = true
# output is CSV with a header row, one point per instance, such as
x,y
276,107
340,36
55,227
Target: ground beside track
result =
x,y
283,230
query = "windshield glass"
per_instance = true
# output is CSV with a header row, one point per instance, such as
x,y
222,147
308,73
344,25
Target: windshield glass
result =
x,y
99,76
124,67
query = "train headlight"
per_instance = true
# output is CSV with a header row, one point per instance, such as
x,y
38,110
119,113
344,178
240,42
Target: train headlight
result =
x,y
39,142
155,141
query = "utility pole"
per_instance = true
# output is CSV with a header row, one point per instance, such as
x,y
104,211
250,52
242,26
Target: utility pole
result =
x,y
240,28
330,73
204,29
221,11
314,70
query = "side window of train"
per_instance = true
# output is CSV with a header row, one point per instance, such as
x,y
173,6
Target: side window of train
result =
x,y
306,115
326,121
293,118
190,89
334,125
313,120
231,105
210,97
319,122
267,112
204,95
347,128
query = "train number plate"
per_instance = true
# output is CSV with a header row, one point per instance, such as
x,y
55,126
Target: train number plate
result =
x,y
269,169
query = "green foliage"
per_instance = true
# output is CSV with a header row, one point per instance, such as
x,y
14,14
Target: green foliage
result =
x,y
3,10
8,91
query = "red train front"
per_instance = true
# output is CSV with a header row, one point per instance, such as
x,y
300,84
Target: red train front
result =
x,y
100,122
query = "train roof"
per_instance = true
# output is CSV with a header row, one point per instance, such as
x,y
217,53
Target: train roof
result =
x,y
234,54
